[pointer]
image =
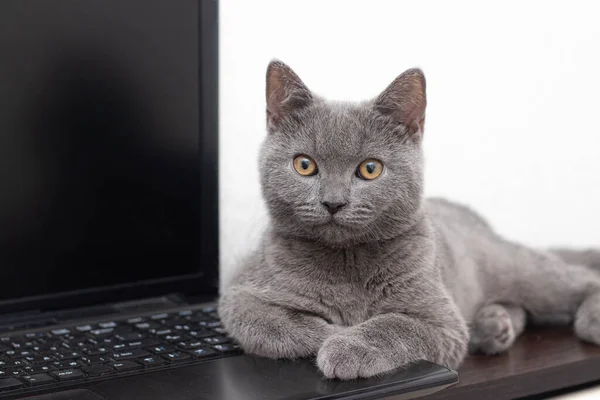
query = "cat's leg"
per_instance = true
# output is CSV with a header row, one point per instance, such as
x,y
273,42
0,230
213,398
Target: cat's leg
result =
x,y
495,328
271,330
387,341
552,291
587,319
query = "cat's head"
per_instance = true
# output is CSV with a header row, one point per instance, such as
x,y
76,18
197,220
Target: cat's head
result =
x,y
342,173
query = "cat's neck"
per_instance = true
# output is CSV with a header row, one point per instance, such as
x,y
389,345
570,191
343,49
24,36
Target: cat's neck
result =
x,y
409,249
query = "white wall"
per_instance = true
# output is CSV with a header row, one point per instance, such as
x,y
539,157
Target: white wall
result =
x,y
513,123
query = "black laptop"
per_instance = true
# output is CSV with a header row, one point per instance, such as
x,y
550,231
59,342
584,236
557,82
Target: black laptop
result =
x,y
109,217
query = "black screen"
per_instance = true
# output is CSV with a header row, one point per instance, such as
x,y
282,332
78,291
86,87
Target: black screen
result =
x,y
100,169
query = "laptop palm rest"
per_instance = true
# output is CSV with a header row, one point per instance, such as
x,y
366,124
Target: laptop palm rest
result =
x,y
76,394
253,378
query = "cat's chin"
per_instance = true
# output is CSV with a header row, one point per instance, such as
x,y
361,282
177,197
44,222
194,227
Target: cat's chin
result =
x,y
337,233
331,230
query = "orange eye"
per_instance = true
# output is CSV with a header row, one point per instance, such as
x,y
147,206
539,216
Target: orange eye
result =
x,y
305,165
370,169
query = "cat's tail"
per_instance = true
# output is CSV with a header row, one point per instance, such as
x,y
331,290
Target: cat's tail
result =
x,y
589,257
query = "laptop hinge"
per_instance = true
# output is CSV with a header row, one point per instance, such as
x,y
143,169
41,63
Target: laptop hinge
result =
x,y
36,318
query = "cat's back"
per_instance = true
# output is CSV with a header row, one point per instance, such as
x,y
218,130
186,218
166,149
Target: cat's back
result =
x,y
455,215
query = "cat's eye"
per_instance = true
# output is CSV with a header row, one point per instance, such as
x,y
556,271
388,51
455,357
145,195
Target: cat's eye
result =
x,y
369,169
305,165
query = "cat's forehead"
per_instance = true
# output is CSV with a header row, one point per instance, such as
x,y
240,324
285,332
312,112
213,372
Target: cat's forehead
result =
x,y
340,129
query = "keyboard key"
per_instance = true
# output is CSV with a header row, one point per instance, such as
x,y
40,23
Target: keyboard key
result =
x,y
108,341
92,351
98,370
122,366
34,360
203,352
151,361
102,332
210,324
133,353
80,344
181,327
109,324
160,332
144,326
22,345
130,336
198,318
143,343
173,338
67,355
38,379
14,372
160,349
36,369
200,333
34,335
192,344
74,337
17,355
50,346
67,374
228,348
185,313
83,328
60,332
65,346
209,309
9,383
66,364
99,359
159,316
220,331
217,340
136,320
176,356
12,363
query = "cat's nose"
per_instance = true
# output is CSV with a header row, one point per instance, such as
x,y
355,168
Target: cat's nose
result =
x,y
333,207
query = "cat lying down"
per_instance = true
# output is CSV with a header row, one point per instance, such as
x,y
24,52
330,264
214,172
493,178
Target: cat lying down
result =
x,y
360,271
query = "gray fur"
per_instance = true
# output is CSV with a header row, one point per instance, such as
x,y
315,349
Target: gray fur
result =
x,y
391,278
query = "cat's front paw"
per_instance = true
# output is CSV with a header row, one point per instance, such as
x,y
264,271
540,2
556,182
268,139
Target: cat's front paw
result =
x,y
350,357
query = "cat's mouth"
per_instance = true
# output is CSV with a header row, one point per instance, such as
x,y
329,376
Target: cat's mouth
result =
x,y
339,221
331,221
343,220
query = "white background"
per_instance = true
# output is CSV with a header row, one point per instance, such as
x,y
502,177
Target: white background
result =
x,y
513,123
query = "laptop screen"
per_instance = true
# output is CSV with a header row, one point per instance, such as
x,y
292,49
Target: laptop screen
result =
x,y
101,173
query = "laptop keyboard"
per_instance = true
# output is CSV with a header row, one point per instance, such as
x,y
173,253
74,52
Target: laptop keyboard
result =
x,y
111,348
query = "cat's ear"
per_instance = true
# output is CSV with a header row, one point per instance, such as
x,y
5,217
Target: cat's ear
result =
x,y
405,101
285,93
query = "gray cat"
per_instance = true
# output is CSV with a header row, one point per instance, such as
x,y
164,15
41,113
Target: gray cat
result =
x,y
360,271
